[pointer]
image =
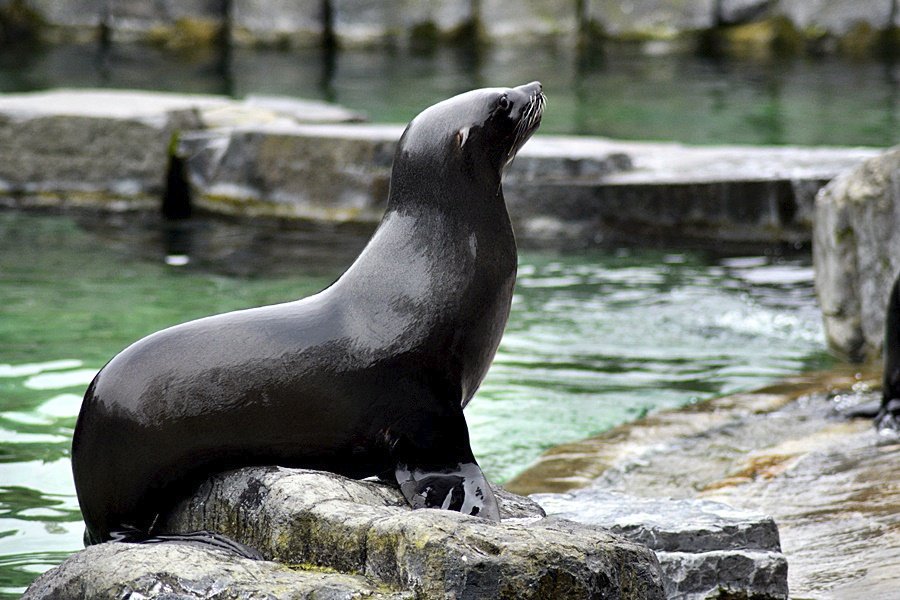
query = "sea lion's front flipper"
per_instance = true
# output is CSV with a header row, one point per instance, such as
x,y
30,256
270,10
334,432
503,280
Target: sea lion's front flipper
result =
x,y
433,461
461,487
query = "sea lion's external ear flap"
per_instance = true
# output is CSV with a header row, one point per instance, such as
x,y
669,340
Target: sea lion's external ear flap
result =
x,y
461,136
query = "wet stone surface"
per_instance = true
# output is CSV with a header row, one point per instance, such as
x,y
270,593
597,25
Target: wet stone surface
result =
x,y
368,541
829,482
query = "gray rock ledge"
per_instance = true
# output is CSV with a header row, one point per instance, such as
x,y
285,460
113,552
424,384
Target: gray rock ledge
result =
x,y
856,253
365,529
282,157
706,549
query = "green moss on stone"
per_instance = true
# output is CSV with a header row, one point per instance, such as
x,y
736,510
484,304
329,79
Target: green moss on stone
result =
x,y
186,33
861,40
425,34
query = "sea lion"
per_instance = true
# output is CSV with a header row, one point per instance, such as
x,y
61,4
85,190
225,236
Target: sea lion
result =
x,y
888,417
368,377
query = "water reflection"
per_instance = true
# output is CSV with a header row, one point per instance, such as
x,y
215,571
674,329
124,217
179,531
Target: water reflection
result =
x,y
614,92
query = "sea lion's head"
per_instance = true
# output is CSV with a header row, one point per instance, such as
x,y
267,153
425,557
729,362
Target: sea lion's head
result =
x,y
473,135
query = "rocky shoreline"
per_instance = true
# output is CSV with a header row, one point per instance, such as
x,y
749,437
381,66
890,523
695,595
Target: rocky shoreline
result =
x,y
786,451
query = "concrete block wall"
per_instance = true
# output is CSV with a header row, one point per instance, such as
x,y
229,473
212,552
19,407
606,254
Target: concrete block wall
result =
x,y
293,23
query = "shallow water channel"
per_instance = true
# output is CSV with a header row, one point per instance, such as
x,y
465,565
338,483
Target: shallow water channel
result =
x,y
596,337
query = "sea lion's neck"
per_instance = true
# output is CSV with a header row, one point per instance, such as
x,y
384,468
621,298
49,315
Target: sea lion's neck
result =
x,y
445,184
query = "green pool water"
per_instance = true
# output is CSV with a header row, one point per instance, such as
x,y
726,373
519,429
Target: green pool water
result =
x,y
596,337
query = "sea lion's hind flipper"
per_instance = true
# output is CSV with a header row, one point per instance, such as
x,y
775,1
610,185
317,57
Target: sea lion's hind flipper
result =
x,y
888,418
462,487
209,539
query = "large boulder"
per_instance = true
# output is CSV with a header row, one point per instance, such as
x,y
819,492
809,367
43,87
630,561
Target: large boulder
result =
x,y
345,538
856,253
365,527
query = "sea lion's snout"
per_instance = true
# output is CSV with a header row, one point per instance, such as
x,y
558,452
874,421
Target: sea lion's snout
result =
x,y
528,107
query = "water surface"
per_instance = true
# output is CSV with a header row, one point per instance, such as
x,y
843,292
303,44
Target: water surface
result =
x,y
616,92
596,337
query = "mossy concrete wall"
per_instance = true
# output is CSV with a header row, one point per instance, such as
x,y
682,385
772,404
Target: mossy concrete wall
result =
x,y
853,26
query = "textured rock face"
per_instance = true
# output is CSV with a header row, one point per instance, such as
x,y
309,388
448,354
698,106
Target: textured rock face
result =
x,y
184,571
100,144
316,518
112,148
290,170
856,253
706,549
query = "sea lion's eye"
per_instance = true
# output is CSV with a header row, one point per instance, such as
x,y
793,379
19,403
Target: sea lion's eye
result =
x,y
503,103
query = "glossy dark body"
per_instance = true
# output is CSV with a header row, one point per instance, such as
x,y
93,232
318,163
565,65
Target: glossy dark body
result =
x,y
369,374
889,414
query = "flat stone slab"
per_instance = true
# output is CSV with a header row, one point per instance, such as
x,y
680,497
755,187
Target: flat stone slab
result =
x,y
113,147
282,157
705,548
559,187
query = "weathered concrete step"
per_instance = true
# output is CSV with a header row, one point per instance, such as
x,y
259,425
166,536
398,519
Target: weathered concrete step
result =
x,y
113,147
559,188
291,158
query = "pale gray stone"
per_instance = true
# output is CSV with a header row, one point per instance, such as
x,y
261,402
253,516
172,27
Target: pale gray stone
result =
x,y
366,527
651,18
373,22
364,22
732,12
185,571
91,144
331,173
837,17
522,21
71,14
856,253
295,23
104,146
140,20
706,549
